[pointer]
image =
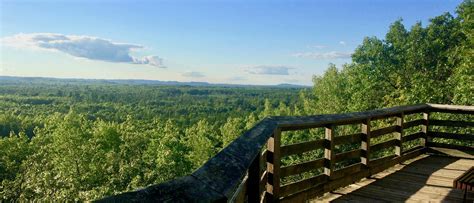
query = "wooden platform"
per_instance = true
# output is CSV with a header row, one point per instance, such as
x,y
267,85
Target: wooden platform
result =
x,y
427,178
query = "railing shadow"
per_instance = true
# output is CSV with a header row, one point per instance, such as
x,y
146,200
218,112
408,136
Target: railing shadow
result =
x,y
408,182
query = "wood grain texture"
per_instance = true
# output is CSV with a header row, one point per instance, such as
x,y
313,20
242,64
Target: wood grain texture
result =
x,y
303,147
424,179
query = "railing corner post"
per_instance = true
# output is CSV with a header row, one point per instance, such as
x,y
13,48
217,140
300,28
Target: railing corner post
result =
x,y
365,143
399,135
273,165
329,151
425,129
253,181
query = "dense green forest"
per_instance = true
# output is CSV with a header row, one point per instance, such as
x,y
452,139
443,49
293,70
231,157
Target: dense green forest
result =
x,y
85,140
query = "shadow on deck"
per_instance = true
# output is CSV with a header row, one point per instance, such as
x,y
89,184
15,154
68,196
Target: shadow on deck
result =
x,y
424,178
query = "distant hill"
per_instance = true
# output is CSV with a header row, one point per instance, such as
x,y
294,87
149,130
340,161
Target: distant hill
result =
x,y
16,80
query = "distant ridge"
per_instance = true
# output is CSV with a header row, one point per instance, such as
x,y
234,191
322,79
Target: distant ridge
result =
x,y
39,80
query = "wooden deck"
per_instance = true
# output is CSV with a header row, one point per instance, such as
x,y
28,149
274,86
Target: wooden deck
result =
x,y
427,178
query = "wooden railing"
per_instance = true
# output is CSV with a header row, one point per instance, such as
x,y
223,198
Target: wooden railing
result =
x,y
250,169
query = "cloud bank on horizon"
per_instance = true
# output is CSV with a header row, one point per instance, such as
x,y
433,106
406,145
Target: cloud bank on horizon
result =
x,y
326,55
269,70
88,47
193,74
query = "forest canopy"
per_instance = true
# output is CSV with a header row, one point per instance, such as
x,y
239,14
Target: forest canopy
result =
x,y
75,141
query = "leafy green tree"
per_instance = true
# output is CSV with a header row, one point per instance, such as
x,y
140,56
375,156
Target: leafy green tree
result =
x,y
199,141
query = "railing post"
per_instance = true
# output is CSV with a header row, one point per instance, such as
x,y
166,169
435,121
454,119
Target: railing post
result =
x,y
329,151
273,166
253,181
399,135
424,129
365,143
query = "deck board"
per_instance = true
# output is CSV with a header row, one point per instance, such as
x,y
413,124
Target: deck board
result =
x,y
427,178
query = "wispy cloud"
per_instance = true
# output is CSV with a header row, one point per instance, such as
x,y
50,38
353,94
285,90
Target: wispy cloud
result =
x,y
193,74
88,47
237,78
269,70
318,46
325,55
343,43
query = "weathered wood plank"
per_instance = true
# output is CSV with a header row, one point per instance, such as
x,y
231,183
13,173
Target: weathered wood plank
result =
x,y
347,155
381,160
329,150
455,136
383,131
263,180
365,143
384,163
273,167
451,123
225,171
412,153
399,135
253,181
300,148
346,180
413,123
451,108
240,194
450,146
416,187
300,122
301,167
413,136
303,196
347,171
347,139
303,185
425,128
384,145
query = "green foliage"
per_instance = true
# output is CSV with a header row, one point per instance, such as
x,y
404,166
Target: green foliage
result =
x,y
63,141
431,64
202,142
76,141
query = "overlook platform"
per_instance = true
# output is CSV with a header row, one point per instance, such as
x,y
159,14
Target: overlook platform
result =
x,y
424,178
397,154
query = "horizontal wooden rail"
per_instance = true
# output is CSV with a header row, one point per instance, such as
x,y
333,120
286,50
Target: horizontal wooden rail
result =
x,y
347,155
384,145
301,167
241,172
454,136
300,148
305,122
451,146
303,184
383,131
451,123
345,139
413,123
413,136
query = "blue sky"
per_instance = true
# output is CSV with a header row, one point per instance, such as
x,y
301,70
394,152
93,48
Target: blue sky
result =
x,y
233,41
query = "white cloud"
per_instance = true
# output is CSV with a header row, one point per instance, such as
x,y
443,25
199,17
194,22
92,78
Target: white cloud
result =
x,y
88,47
294,81
237,78
318,46
343,43
325,55
269,70
193,74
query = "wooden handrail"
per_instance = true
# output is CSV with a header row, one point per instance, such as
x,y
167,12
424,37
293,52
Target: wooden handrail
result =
x,y
241,172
